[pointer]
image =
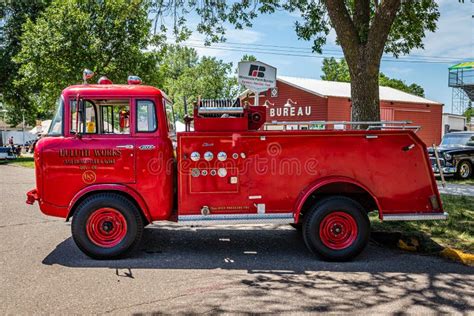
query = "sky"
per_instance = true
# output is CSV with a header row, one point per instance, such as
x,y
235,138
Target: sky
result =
x,y
452,42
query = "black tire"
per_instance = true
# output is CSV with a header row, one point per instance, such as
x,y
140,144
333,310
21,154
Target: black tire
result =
x,y
345,215
128,225
464,170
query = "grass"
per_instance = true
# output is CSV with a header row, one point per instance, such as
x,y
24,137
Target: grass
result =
x,y
455,181
456,232
27,162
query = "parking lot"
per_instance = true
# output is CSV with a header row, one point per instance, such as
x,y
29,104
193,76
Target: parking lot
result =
x,y
216,269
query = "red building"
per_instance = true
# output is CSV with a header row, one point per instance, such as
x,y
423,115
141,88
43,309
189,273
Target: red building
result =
x,y
303,100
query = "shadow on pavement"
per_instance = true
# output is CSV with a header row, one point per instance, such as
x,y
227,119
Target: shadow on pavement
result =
x,y
244,247
282,276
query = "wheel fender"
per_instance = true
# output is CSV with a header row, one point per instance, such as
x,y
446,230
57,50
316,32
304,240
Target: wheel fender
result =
x,y
110,187
322,182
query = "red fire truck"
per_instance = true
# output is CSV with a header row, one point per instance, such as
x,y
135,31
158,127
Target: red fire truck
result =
x,y
113,163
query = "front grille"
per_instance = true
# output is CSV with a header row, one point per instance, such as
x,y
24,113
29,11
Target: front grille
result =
x,y
441,161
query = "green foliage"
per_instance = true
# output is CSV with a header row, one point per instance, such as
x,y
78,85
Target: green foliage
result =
x,y
339,71
469,113
335,71
413,19
13,15
186,76
108,37
456,232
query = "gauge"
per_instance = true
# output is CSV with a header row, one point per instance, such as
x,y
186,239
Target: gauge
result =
x,y
222,172
235,155
204,173
195,156
213,172
195,172
222,156
208,156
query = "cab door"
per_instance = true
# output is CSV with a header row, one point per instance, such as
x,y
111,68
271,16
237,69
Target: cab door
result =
x,y
154,157
97,148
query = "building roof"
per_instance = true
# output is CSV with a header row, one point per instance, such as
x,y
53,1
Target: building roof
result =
x,y
465,65
343,89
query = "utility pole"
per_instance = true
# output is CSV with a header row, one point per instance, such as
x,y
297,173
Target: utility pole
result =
x,y
23,126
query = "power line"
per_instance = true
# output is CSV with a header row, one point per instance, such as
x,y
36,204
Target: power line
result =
x,y
290,49
262,51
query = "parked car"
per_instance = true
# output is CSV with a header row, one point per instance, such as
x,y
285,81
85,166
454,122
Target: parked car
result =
x,y
456,155
7,153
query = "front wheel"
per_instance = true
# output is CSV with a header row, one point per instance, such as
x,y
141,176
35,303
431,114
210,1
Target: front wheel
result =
x,y
107,226
464,170
337,229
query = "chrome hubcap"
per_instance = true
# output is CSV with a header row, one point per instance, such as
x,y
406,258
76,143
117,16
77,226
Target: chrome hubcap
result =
x,y
464,170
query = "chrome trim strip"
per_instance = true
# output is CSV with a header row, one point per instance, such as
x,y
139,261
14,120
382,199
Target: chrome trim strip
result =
x,y
415,217
275,218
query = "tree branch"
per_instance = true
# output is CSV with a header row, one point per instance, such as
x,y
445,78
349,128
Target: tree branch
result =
x,y
382,23
362,19
345,29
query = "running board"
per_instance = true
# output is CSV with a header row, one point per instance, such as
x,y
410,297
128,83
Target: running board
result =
x,y
226,219
415,217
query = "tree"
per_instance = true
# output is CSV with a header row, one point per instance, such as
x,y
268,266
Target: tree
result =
x,y
13,15
365,30
185,75
109,37
339,71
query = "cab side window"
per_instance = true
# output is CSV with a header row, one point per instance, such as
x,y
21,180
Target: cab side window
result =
x,y
86,122
146,116
100,116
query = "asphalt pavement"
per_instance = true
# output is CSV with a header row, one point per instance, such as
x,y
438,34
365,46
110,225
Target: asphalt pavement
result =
x,y
219,269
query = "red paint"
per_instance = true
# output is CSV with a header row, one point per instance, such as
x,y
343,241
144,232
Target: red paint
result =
x,y
338,230
106,227
275,168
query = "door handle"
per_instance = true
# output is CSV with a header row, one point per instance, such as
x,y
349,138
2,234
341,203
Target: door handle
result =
x,y
124,146
147,147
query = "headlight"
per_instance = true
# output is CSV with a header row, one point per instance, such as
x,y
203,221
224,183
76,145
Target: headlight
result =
x,y
447,156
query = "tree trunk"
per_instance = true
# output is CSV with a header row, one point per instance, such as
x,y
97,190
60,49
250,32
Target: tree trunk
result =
x,y
365,91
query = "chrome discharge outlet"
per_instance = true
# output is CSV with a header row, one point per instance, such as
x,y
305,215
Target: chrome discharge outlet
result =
x,y
205,210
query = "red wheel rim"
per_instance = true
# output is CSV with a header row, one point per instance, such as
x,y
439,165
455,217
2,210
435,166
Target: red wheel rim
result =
x,y
106,227
338,230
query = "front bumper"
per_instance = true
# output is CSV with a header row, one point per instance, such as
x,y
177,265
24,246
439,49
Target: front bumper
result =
x,y
32,196
447,171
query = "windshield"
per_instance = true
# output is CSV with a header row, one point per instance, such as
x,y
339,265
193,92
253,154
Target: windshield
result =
x,y
453,139
56,127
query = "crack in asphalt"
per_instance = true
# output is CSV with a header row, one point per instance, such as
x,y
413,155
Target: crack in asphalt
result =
x,y
30,223
191,291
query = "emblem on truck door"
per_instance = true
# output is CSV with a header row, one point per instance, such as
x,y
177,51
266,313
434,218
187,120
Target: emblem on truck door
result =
x,y
89,177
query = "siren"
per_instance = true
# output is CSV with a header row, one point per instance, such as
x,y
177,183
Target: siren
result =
x,y
87,74
104,80
134,80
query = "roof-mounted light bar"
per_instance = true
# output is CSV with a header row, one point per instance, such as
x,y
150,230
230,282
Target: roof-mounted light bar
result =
x,y
87,74
104,80
134,80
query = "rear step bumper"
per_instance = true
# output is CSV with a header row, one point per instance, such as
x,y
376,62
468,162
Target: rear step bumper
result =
x,y
415,217
32,196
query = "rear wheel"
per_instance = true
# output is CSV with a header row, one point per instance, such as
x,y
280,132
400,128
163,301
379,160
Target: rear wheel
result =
x,y
107,226
464,170
337,229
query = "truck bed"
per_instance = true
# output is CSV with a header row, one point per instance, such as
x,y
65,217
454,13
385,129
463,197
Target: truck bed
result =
x,y
272,172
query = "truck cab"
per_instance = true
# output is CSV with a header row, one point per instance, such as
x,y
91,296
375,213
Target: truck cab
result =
x,y
113,162
108,136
